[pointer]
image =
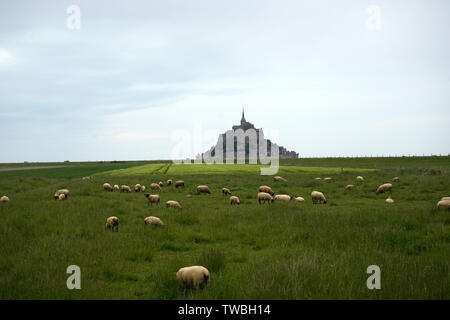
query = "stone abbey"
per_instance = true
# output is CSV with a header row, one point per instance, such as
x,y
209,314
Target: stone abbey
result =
x,y
247,129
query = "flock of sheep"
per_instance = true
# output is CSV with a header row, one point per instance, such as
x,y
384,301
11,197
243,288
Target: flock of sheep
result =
x,y
198,276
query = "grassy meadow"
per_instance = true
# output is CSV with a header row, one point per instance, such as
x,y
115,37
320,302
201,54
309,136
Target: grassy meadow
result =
x,y
271,251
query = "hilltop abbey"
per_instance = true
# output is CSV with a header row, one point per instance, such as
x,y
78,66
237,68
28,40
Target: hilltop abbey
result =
x,y
244,126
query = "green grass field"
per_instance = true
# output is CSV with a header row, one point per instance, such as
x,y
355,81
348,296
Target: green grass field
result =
x,y
272,251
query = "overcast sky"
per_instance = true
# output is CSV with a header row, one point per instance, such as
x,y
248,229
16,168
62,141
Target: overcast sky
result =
x,y
322,77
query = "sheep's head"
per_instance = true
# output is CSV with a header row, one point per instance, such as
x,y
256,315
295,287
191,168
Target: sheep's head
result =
x,y
146,195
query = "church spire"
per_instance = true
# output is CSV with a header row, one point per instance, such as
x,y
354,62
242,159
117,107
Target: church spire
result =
x,y
243,118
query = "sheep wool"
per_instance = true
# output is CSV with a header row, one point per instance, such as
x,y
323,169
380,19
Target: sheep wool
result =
x,y
389,200
234,200
116,187
278,178
443,205
107,187
4,199
317,196
169,182
266,189
137,187
383,188
264,196
153,221
155,186
299,199
179,183
327,179
282,197
112,223
61,191
125,188
194,277
349,187
226,191
203,189
173,204
152,198
359,178
396,179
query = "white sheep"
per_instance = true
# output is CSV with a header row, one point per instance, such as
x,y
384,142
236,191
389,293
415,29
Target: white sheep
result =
x,y
278,178
389,200
169,182
264,196
161,183
194,277
396,179
266,189
152,198
359,178
299,199
124,188
349,187
383,188
234,200
4,199
143,188
155,186
318,178
203,189
327,179
173,204
137,187
62,196
226,191
61,191
153,221
112,223
443,205
317,196
282,197
107,187
445,198
116,187
179,183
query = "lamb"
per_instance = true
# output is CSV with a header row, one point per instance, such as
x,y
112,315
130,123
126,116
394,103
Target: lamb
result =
x,y
264,196
112,223
116,187
143,188
173,204
155,186
318,178
179,183
299,199
396,179
317,196
443,205
383,188
226,191
278,178
161,183
137,187
152,198
266,189
389,200
359,178
327,179
234,200
124,188
195,277
282,197
153,221
61,191
4,199
169,182
203,189
349,187
107,187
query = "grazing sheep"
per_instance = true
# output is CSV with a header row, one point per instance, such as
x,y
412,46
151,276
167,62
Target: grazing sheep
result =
x,y
4,199
173,204
396,179
389,200
317,196
318,178
143,188
179,183
161,184
299,199
383,188
264,196
203,189
137,187
152,198
169,182
278,178
155,186
154,221
443,205
266,189
62,196
327,179
107,187
112,223
195,277
189,196
282,197
234,200
359,178
116,187
124,188
445,198
349,187
61,191
226,191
